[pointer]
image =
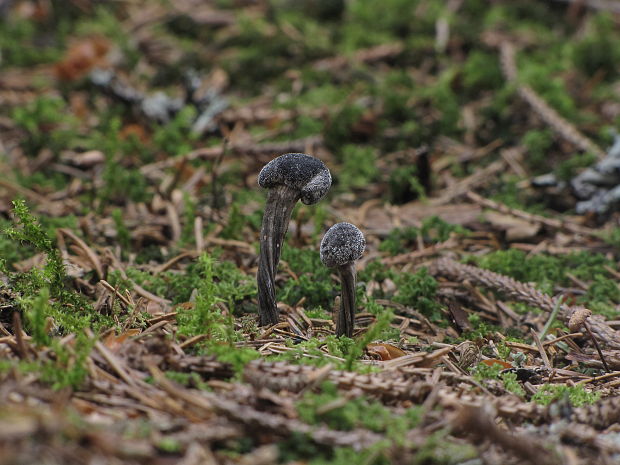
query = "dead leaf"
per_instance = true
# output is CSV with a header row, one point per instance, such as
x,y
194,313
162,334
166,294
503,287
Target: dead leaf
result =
x,y
493,361
384,351
81,58
113,342
516,229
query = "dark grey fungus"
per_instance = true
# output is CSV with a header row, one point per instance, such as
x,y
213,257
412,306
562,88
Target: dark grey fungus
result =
x,y
341,246
300,172
289,178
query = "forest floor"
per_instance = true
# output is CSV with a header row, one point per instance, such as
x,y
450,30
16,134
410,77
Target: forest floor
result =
x,y
468,140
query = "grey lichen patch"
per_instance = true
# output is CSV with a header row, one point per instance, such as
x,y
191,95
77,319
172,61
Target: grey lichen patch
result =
x,y
342,243
299,171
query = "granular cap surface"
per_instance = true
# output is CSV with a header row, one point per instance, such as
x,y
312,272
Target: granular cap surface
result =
x,y
299,171
342,243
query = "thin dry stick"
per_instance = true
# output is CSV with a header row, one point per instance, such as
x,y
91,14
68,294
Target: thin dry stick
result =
x,y
561,126
19,336
92,256
114,363
549,222
463,185
541,350
598,349
523,293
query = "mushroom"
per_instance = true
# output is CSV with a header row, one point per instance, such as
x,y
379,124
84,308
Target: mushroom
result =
x,y
342,244
289,178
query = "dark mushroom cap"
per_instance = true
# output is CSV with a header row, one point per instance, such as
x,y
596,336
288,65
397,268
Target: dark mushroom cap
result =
x,y
342,243
299,171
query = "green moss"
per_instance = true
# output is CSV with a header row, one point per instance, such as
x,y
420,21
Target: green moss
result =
x,y
310,352
27,230
314,279
375,22
433,230
21,44
549,271
597,50
576,395
358,169
418,290
540,73
567,169
48,123
404,184
175,137
508,192
481,71
63,366
37,308
187,379
234,225
483,372
69,368
355,413
122,183
339,129
169,445
122,233
538,143
512,385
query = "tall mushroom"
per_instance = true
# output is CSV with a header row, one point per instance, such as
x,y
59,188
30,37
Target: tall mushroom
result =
x,y
289,178
342,244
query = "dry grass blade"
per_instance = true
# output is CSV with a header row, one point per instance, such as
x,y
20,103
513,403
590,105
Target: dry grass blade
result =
x,y
114,363
92,256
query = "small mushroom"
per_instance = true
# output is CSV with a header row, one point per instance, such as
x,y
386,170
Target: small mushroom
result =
x,y
289,178
342,244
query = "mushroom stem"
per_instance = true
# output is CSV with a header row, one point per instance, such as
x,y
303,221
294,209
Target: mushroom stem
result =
x,y
280,203
346,316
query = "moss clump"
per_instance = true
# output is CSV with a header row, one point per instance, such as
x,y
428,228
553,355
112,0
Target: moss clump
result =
x,y
48,123
69,308
597,51
358,168
355,413
576,395
433,230
545,270
313,281
418,290
511,384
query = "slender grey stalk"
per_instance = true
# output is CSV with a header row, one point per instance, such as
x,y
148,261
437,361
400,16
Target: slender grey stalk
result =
x,y
346,317
289,178
342,244
280,203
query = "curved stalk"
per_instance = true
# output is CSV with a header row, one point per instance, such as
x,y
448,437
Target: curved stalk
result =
x,y
280,203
